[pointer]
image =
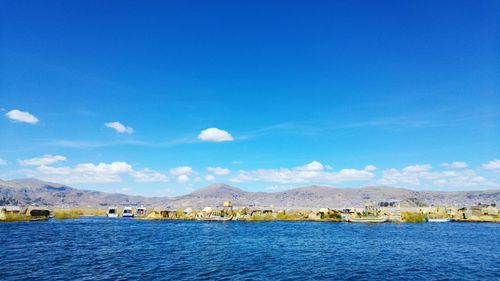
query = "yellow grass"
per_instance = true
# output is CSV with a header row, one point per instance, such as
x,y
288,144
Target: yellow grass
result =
x,y
15,217
77,213
412,217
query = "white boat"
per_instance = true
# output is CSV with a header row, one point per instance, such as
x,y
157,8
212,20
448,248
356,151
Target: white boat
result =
x,y
127,212
439,220
141,212
112,212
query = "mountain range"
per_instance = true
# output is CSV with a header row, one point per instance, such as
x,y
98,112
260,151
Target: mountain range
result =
x,y
33,191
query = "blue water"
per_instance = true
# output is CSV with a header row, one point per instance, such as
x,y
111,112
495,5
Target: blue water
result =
x,y
114,249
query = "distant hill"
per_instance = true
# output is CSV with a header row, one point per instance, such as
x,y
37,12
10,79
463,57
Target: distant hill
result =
x,y
33,191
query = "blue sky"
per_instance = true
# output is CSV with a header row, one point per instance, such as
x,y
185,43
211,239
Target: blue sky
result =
x,y
296,93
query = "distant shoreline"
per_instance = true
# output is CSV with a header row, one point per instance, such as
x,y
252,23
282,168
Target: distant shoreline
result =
x,y
253,215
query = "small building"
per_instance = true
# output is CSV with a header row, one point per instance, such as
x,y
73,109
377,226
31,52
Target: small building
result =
x,y
141,212
477,210
371,209
207,211
347,211
227,206
188,211
470,211
260,212
267,211
9,210
324,211
255,212
37,213
490,210
451,211
168,214
243,211
314,215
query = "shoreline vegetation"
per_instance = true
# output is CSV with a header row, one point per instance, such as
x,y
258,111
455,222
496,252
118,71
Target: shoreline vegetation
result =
x,y
243,214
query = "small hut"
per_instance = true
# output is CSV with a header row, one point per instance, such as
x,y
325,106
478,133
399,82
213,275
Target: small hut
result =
x,y
227,206
9,210
243,211
37,213
324,212
314,215
207,211
371,209
168,214
490,210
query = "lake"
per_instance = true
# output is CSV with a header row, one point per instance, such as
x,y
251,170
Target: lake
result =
x,y
113,249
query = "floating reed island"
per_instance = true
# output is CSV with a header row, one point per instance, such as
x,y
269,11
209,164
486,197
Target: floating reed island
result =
x,y
372,212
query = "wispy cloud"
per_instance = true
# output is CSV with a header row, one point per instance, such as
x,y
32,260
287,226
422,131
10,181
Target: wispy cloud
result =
x,y
119,127
456,165
47,159
98,143
492,165
435,119
219,171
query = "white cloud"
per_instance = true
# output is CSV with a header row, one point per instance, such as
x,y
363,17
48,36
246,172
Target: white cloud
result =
x,y
209,178
183,178
395,177
3,162
21,116
277,188
215,135
493,164
370,168
311,167
410,175
422,175
119,127
47,159
417,168
182,170
461,179
149,175
86,173
311,172
97,173
113,168
349,175
219,171
456,164
49,170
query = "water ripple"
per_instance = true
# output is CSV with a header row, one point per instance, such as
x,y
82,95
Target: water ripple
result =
x,y
105,249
